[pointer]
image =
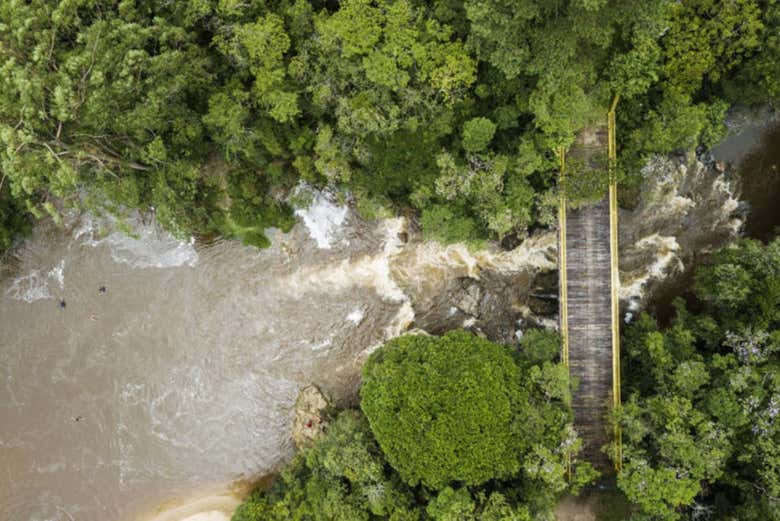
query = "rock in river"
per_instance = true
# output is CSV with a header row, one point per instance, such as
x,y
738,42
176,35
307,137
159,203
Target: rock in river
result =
x,y
310,415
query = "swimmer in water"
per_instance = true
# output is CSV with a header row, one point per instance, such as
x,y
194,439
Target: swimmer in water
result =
x,y
102,290
78,418
62,303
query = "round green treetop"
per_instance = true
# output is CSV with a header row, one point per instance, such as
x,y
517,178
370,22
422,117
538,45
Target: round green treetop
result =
x,y
477,134
446,409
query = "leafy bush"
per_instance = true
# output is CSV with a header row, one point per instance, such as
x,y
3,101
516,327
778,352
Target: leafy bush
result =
x,y
342,477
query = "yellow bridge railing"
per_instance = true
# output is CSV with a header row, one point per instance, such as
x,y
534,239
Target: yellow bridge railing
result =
x,y
562,274
563,283
615,282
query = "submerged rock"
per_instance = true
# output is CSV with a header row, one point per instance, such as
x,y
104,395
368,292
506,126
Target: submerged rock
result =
x,y
467,299
485,291
310,416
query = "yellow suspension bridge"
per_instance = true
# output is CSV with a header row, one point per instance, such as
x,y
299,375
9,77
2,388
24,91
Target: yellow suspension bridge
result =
x,y
588,299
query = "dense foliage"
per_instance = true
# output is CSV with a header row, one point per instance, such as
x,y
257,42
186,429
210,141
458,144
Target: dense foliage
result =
x,y
209,112
455,429
701,419
342,477
459,409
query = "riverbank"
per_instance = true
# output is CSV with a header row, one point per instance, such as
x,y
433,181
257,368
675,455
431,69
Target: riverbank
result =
x,y
204,508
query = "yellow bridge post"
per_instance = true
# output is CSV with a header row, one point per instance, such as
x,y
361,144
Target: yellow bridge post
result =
x,y
562,275
615,282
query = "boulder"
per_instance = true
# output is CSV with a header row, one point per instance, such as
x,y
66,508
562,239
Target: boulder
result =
x,y
310,420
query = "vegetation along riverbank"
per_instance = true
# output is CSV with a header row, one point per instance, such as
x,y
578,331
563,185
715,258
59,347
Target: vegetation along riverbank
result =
x,y
209,113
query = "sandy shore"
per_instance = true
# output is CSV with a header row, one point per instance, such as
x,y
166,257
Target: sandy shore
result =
x,y
213,507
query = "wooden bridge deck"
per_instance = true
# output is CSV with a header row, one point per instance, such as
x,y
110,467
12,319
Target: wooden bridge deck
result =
x,y
589,295
589,311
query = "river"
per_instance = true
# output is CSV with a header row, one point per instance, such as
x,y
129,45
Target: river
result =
x,y
180,378
751,155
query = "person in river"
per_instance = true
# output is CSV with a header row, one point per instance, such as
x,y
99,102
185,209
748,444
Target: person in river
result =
x,y
102,290
62,303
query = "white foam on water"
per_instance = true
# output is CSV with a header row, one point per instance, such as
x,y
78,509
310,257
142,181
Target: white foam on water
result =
x,y
356,316
35,285
31,287
536,252
86,228
146,246
665,251
398,326
58,274
401,322
151,249
323,218
325,344
371,271
730,204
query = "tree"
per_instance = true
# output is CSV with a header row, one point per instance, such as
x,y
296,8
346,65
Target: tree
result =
x,y
477,133
98,98
456,409
707,39
540,345
741,284
757,78
452,505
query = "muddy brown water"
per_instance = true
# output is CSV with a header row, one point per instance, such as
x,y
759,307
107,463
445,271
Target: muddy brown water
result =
x,y
180,379
182,375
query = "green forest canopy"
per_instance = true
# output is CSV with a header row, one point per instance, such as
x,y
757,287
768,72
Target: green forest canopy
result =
x,y
701,411
210,111
460,409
